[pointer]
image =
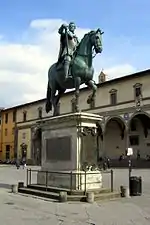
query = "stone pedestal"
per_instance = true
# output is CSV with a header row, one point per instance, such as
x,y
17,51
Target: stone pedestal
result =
x,y
68,144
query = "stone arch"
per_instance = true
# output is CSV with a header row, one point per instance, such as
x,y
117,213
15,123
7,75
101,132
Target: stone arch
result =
x,y
115,137
142,113
139,134
120,122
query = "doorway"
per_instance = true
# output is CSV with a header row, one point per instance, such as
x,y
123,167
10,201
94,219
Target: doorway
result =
x,y
7,152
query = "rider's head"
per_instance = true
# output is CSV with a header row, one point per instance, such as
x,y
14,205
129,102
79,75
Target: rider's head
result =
x,y
72,26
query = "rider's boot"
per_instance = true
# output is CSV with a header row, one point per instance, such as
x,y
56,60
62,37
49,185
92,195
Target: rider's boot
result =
x,y
66,70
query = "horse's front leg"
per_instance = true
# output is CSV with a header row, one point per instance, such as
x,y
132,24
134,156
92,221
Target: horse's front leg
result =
x,y
77,87
53,99
56,102
91,84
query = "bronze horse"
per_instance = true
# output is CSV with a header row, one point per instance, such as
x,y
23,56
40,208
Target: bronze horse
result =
x,y
82,72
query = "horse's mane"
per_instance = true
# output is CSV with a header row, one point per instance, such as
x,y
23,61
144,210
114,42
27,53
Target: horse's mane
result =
x,y
87,34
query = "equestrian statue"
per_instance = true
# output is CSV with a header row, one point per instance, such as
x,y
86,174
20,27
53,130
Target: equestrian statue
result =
x,y
74,66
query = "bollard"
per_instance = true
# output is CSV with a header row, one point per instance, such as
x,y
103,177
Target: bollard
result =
x,y
63,196
14,188
90,197
125,192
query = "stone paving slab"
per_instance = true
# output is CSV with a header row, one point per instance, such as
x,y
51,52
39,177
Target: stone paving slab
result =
x,y
16,209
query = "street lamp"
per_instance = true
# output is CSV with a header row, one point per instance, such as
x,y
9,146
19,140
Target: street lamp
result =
x,y
129,154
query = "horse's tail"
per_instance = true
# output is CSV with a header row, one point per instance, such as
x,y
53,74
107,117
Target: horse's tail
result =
x,y
48,106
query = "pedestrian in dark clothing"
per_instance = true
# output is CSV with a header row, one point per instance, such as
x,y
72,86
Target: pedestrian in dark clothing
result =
x,y
108,163
24,162
17,164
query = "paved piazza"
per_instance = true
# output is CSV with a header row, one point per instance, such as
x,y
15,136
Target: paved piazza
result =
x,y
16,209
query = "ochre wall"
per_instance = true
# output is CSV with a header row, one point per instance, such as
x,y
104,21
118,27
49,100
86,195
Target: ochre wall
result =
x,y
7,134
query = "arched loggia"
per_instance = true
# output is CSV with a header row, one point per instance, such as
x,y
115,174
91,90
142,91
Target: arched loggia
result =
x,y
115,137
139,134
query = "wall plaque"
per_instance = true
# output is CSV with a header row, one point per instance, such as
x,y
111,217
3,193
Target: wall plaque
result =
x,y
58,148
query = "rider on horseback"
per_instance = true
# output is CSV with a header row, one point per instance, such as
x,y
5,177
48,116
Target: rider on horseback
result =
x,y
68,45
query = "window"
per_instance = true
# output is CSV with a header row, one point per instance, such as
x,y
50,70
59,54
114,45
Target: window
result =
x,y
6,132
92,104
113,97
6,118
14,116
40,112
7,152
73,104
138,90
134,140
24,116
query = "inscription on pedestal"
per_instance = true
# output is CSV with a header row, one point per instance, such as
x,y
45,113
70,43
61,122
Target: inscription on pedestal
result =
x,y
58,148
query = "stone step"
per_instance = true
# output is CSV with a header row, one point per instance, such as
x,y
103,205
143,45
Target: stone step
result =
x,y
53,189
98,197
58,190
55,196
44,194
107,196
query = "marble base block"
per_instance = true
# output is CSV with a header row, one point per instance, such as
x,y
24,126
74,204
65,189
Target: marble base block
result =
x,y
68,142
74,180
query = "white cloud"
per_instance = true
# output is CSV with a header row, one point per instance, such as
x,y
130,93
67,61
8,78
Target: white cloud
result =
x,y
119,71
24,65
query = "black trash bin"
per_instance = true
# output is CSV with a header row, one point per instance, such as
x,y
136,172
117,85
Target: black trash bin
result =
x,y
140,186
135,186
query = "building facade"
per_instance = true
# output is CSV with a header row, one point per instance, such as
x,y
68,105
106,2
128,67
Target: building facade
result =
x,y
0,136
8,124
124,104
28,116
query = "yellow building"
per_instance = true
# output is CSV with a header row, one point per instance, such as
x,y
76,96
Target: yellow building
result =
x,y
8,119
26,118
0,144
0,138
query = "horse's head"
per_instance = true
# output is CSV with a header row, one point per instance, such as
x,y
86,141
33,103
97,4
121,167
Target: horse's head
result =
x,y
96,40
90,40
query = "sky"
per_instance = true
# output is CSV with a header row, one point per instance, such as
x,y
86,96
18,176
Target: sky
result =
x,y
29,41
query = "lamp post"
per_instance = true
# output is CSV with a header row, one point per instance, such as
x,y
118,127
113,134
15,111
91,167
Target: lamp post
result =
x,y
129,154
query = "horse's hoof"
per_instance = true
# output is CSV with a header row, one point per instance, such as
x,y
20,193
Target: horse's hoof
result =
x,y
77,110
88,101
56,114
